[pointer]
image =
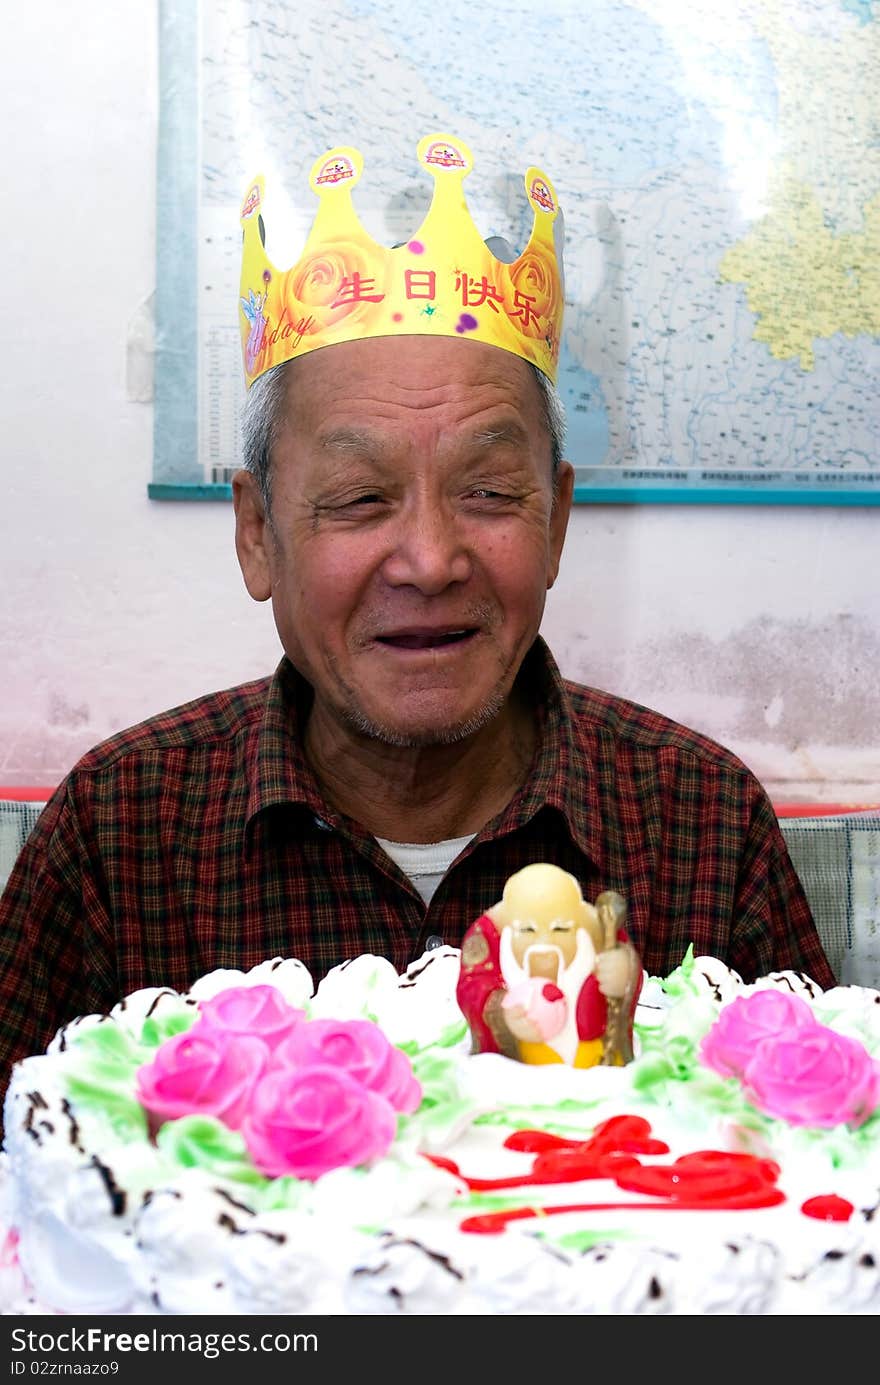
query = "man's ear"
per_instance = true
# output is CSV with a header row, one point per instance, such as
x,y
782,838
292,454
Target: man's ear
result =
x,y
563,493
253,535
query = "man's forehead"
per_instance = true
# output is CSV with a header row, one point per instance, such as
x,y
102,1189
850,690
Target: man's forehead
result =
x,y
365,441
358,399
411,363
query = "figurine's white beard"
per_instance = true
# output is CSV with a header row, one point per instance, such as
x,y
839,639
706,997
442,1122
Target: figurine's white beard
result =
x,y
569,979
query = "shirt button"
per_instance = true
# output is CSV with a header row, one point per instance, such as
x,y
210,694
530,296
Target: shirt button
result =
x,y
433,942
324,826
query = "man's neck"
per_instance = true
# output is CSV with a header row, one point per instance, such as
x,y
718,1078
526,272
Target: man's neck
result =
x,y
427,794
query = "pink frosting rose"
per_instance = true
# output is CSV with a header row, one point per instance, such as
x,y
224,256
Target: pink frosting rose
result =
x,y
730,1043
257,1011
813,1077
307,1121
205,1071
359,1048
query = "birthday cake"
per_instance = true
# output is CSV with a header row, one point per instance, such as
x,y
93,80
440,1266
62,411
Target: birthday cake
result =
x,y
262,1146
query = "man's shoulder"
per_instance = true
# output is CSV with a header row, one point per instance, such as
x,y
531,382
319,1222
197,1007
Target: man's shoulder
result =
x,y
602,714
214,719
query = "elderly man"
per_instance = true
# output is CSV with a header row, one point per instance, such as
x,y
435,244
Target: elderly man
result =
x,y
403,506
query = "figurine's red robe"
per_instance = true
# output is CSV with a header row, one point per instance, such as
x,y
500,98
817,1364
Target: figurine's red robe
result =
x,y
478,981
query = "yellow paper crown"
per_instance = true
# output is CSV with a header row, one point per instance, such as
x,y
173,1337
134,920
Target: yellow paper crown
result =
x,y
444,281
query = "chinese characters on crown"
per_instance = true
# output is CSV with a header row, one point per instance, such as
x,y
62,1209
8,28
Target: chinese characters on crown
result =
x,y
443,281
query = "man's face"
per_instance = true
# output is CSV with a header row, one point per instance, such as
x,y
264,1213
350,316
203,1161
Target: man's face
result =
x,y
413,533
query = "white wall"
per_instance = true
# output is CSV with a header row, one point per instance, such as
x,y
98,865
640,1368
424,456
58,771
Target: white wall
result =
x,y
759,626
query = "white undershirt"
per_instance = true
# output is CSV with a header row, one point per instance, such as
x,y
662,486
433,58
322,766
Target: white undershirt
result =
x,y
425,863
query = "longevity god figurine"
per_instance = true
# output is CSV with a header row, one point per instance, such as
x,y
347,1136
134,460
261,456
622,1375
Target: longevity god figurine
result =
x,y
547,977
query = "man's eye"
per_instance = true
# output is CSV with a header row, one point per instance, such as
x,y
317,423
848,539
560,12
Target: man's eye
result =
x,y
365,505
368,498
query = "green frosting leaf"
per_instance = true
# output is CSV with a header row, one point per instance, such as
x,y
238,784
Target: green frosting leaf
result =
x,y
487,1202
577,1242
110,1049
112,1104
285,1193
158,1028
570,1118
203,1142
435,1071
680,982
100,1077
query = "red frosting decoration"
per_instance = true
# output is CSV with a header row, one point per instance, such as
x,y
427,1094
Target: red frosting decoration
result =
x,y
828,1207
706,1179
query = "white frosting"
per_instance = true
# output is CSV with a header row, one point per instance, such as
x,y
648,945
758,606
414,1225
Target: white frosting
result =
x,y
288,975
362,988
625,1278
402,1274
291,1262
843,1280
182,1239
101,1220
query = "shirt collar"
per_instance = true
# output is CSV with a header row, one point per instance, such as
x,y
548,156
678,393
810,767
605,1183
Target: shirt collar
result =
x,y
278,771
560,778
562,774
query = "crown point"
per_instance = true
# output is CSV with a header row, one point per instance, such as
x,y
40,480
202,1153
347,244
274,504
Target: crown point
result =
x,y
441,153
339,167
252,201
541,193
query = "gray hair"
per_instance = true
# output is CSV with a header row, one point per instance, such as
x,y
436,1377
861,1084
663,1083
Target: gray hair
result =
x,y
263,416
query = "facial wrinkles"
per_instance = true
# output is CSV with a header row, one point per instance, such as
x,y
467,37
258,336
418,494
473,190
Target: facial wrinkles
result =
x,y
417,408
428,409
374,445
419,444
462,398
428,471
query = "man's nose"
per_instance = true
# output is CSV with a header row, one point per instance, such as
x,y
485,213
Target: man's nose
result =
x,y
429,548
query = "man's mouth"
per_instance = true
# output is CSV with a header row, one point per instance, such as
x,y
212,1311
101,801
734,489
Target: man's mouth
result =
x,y
426,639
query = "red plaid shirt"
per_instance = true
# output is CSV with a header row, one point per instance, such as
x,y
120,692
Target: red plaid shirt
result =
x,y
199,839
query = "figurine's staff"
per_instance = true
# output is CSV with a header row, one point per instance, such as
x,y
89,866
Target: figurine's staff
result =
x,y
616,1044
